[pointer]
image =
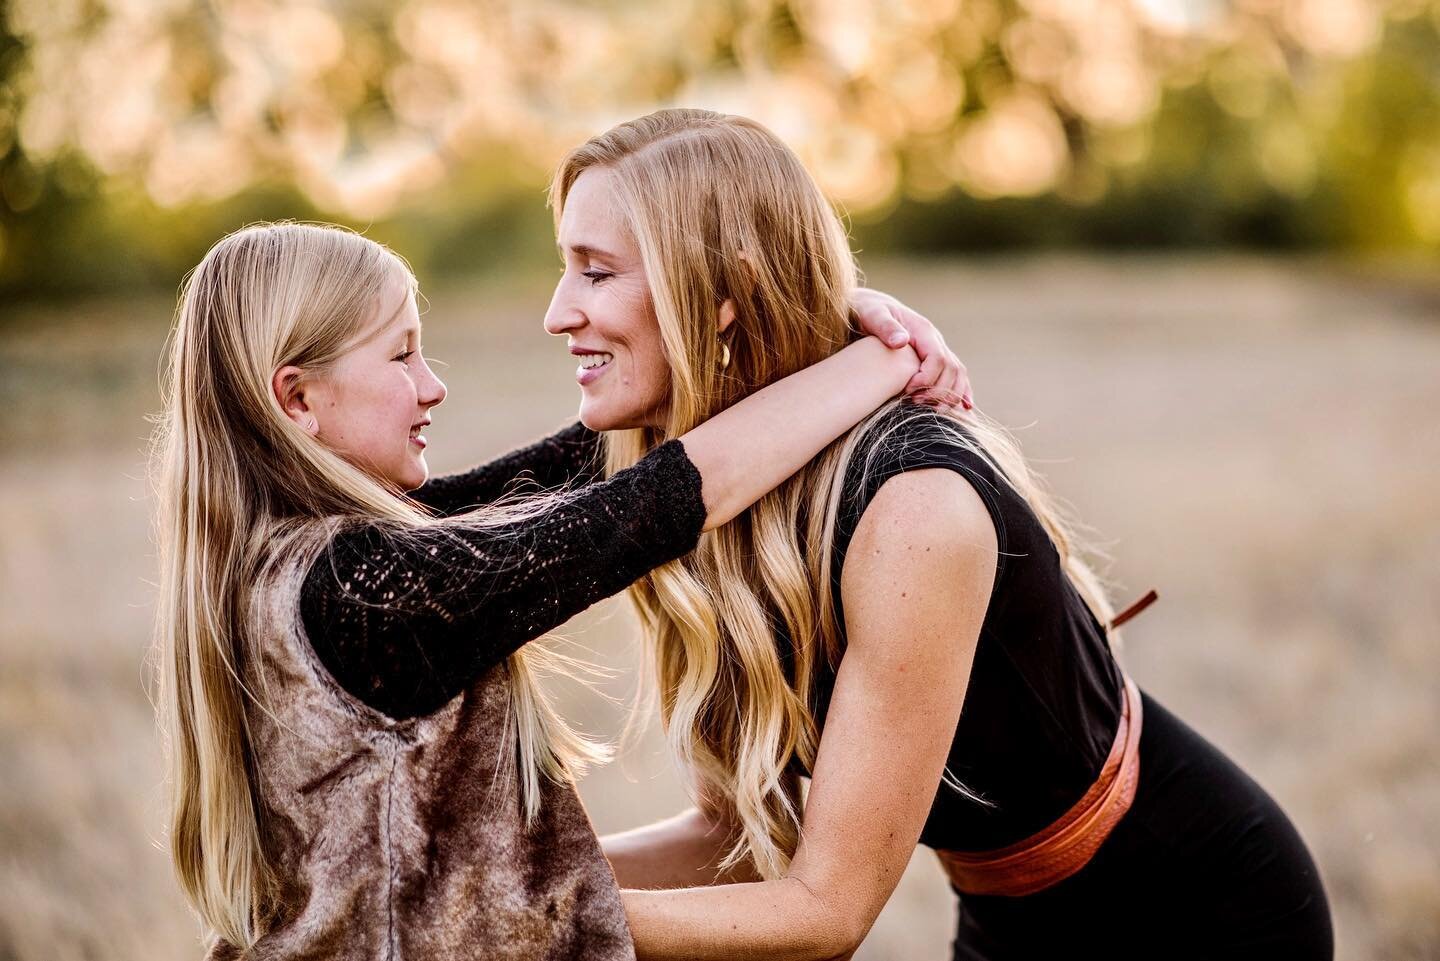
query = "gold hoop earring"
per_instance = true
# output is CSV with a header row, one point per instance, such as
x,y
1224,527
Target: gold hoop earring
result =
x,y
724,355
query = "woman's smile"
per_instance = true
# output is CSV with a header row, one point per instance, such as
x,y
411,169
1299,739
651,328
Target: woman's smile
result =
x,y
593,364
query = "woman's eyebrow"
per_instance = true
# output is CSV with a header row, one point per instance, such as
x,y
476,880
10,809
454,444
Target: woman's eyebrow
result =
x,y
587,250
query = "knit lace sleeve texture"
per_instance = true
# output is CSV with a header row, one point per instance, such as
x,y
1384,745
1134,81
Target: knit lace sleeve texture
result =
x,y
404,622
569,456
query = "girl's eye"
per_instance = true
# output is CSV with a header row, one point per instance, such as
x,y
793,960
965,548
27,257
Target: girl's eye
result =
x,y
597,276
403,357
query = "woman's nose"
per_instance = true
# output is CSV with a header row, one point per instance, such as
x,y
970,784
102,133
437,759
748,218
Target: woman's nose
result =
x,y
562,316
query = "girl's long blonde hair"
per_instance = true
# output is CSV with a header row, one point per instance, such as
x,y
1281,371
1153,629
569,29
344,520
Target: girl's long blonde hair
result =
x,y
239,488
722,210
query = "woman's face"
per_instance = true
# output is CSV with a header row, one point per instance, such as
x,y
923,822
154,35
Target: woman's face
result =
x,y
371,406
603,305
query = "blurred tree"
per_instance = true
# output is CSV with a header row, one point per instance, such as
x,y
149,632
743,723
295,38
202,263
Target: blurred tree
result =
x,y
133,133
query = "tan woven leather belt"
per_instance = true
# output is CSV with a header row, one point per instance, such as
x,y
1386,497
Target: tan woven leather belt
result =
x,y
1060,850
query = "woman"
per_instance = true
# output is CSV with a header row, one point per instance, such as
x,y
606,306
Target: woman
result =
x,y
942,676
361,762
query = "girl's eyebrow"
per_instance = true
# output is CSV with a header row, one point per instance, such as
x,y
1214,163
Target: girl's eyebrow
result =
x,y
387,326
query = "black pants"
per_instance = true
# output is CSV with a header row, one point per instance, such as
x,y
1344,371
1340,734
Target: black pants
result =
x,y
1204,866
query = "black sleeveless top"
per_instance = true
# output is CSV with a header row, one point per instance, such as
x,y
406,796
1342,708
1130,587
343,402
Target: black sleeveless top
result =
x,y
1044,696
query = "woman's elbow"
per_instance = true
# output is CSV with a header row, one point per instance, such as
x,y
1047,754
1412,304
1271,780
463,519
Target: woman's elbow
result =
x,y
849,935
837,938
837,926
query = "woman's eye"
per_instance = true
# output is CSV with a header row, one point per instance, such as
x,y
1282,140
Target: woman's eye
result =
x,y
596,276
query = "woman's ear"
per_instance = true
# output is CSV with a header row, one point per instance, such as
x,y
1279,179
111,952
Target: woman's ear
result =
x,y
727,308
727,314
288,387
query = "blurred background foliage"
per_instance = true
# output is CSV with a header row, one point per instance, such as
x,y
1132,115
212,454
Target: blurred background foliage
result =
x,y
134,132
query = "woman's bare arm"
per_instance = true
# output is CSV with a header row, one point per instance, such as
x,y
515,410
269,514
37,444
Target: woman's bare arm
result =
x,y
683,851
915,587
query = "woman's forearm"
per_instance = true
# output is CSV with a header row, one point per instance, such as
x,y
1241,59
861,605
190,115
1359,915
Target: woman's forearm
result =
x,y
684,851
750,448
780,920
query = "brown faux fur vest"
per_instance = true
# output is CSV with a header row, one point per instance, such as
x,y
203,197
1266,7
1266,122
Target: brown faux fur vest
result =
x,y
405,840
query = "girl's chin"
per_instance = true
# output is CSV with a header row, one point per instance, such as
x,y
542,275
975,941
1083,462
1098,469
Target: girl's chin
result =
x,y
416,476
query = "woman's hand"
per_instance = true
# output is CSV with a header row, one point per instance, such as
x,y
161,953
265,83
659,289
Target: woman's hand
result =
x,y
942,380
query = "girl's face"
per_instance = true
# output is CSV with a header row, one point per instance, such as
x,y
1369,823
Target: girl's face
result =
x,y
371,406
603,305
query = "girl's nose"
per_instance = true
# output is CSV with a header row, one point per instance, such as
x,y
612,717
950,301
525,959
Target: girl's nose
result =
x,y
433,391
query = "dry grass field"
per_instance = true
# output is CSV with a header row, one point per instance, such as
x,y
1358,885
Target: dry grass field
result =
x,y
1257,439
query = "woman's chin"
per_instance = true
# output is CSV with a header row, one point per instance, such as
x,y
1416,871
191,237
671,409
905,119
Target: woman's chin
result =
x,y
596,417
602,417
596,422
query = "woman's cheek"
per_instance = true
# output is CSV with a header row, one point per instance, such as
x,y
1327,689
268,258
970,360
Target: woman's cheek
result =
x,y
660,377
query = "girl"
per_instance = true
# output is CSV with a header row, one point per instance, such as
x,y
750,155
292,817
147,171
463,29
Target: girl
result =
x,y
832,631
362,765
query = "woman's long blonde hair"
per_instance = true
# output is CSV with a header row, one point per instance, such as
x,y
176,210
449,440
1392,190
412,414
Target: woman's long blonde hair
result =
x,y
239,488
722,210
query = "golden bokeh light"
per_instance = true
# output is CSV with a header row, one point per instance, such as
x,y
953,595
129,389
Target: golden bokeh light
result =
x,y
369,106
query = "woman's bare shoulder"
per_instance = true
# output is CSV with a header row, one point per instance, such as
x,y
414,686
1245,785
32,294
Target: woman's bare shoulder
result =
x,y
921,523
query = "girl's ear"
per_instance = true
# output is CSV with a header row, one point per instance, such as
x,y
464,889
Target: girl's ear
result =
x,y
289,390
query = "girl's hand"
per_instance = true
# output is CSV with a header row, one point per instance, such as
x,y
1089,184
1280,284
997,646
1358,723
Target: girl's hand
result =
x,y
942,380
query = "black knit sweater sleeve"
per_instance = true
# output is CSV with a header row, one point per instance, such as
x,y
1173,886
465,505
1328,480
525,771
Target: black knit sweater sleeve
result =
x,y
569,456
404,622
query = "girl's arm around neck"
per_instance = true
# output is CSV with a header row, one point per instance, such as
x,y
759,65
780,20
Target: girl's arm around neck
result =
x,y
915,585
748,449
476,593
